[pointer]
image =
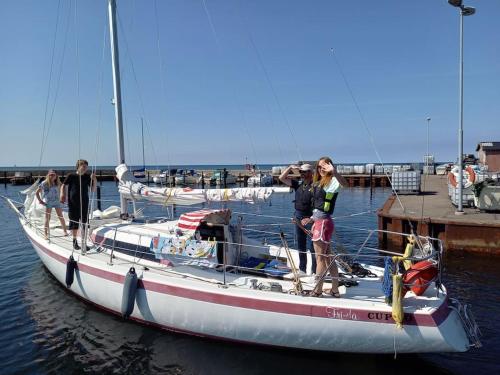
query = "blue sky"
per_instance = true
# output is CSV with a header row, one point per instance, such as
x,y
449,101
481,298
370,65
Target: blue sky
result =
x,y
256,80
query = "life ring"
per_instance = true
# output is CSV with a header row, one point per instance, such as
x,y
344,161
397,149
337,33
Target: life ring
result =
x,y
419,276
472,174
452,179
470,180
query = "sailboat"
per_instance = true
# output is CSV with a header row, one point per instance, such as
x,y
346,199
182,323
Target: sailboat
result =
x,y
197,275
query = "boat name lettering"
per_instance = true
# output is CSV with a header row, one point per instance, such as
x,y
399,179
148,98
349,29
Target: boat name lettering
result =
x,y
334,313
379,316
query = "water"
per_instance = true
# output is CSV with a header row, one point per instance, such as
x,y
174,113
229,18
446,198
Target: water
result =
x,y
45,330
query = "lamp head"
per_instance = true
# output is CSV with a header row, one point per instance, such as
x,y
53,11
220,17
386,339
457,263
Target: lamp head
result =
x,y
428,119
455,3
468,11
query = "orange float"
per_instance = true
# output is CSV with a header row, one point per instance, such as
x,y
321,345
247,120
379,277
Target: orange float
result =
x,y
472,174
452,179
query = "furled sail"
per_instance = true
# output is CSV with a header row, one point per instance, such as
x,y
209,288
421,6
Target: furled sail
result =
x,y
133,190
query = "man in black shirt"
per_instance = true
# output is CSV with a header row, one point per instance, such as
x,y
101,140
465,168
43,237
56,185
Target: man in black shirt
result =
x,y
303,208
76,189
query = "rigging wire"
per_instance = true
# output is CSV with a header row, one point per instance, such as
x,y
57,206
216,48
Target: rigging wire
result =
x,y
50,81
56,94
99,118
77,52
275,134
269,82
235,96
77,78
278,102
162,78
370,136
141,102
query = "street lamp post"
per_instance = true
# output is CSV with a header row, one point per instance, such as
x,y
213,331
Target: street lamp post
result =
x,y
464,11
427,163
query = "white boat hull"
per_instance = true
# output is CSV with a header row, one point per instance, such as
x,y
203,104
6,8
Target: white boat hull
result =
x,y
187,180
204,309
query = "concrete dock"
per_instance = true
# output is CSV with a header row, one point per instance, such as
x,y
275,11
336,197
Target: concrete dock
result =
x,y
431,213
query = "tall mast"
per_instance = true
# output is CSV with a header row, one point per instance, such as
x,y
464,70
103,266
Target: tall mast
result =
x,y
113,37
142,133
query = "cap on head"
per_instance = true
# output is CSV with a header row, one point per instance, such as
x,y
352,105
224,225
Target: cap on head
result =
x,y
51,172
306,168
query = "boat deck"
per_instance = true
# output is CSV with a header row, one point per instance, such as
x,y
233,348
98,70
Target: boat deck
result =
x,y
367,294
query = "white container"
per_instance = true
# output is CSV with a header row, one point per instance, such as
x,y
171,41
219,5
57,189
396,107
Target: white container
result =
x,y
276,170
467,197
370,168
348,169
359,169
429,169
406,167
429,159
379,169
406,181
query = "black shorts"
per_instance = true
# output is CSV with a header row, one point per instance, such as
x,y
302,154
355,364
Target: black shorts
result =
x,y
76,215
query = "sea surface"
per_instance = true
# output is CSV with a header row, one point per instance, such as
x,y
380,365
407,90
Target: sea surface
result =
x,y
46,330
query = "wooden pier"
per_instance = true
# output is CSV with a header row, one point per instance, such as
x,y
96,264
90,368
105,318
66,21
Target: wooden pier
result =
x,y
432,214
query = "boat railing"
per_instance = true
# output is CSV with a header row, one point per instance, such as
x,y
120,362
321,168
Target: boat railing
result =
x,y
364,251
367,253
469,323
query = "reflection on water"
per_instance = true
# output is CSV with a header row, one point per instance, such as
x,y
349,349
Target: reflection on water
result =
x,y
45,329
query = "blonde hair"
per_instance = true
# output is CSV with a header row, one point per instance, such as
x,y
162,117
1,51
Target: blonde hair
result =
x,y
325,180
49,182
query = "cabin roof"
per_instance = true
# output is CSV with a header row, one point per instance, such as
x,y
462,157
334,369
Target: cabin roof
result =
x,y
488,146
